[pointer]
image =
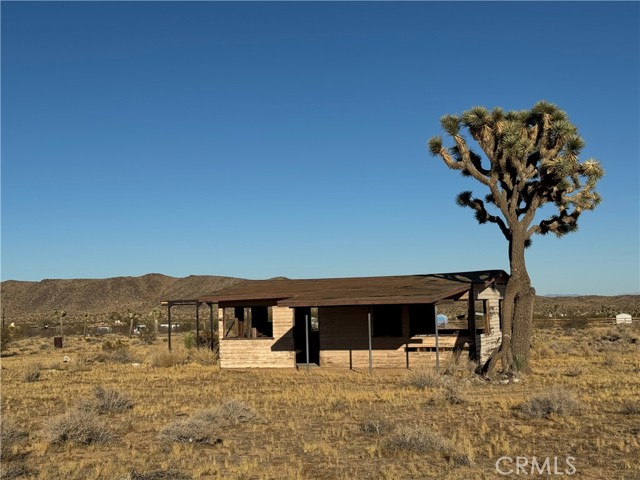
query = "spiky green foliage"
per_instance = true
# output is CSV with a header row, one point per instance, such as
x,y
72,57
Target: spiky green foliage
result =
x,y
531,159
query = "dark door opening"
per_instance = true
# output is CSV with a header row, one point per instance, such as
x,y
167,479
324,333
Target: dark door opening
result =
x,y
299,340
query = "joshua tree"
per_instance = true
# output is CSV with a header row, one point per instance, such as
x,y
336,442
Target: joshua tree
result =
x,y
531,160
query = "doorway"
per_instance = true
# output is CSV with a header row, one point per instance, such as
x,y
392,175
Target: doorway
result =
x,y
310,316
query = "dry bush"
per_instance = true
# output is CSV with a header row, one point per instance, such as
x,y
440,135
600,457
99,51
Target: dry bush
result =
x,y
165,358
573,371
195,429
423,441
158,475
234,412
453,396
205,426
204,356
32,372
630,408
376,426
460,367
555,401
424,378
108,400
14,470
79,364
10,436
80,425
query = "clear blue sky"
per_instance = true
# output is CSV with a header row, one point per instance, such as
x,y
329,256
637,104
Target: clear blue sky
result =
x,y
266,139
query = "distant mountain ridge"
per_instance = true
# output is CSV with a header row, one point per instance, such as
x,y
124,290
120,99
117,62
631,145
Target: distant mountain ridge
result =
x,y
100,296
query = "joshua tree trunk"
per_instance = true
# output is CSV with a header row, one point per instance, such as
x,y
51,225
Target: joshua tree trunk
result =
x,y
517,314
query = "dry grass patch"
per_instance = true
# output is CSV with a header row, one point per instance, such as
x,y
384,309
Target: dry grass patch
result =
x,y
424,441
163,358
158,475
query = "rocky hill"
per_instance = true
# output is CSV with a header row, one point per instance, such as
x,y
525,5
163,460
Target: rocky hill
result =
x,y
35,300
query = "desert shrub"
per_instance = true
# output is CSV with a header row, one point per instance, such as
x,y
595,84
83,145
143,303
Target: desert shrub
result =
x,y
189,340
453,396
460,367
11,470
234,412
424,441
32,372
206,426
10,436
415,439
79,364
79,425
576,323
555,401
7,335
630,408
338,405
204,356
376,426
148,336
158,475
108,400
113,345
164,358
573,372
194,429
424,378
116,351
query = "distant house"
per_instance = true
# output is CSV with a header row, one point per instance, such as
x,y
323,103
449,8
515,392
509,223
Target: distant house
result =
x,y
350,322
623,318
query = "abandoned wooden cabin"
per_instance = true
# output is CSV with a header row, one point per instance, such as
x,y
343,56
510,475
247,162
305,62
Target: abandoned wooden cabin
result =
x,y
357,322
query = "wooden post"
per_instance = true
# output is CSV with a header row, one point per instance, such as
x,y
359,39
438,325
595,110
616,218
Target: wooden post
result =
x,y
210,326
471,321
435,308
169,320
131,318
370,347
306,338
406,349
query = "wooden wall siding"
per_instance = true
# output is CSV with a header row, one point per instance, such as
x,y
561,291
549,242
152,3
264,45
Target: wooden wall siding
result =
x,y
262,353
490,342
485,344
344,342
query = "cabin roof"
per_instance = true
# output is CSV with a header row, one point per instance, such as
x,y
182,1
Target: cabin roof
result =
x,y
399,289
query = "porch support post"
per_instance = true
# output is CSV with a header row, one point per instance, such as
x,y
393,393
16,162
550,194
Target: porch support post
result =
x,y
169,305
306,337
370,347
210,326
471,321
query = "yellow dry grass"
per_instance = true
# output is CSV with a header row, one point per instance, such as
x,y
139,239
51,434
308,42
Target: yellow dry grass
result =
x,y
311,424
